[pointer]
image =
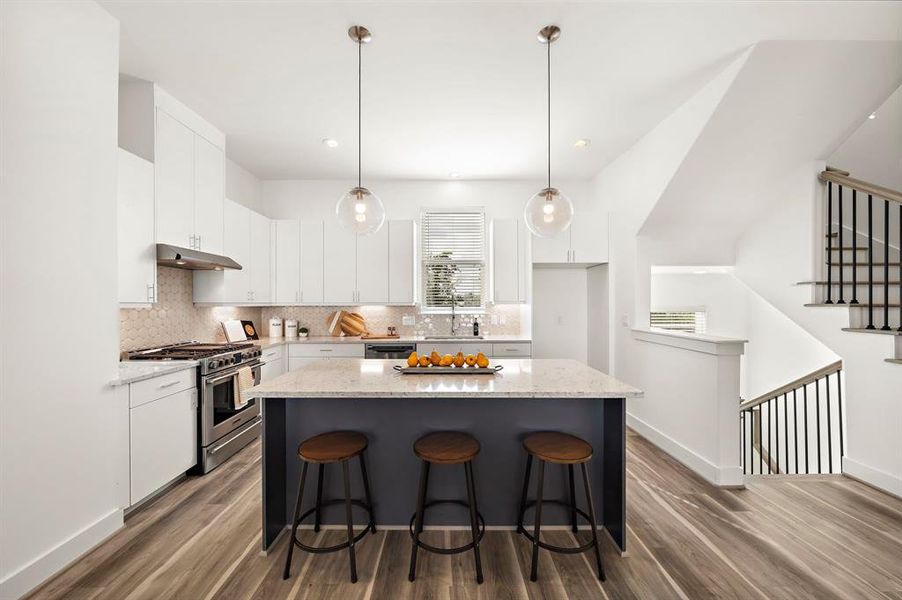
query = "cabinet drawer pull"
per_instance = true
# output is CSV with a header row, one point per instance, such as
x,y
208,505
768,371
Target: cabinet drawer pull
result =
x,y
325,349
166,385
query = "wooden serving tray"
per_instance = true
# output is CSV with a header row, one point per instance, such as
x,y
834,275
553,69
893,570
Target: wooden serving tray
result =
x,y
448,370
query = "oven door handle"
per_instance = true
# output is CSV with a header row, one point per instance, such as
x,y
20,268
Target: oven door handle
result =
x,y
216,380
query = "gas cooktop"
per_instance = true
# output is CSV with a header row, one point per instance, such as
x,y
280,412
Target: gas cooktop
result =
x,y
221,356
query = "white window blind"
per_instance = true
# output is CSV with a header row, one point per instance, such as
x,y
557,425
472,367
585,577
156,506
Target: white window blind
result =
x,y
453,254
680,320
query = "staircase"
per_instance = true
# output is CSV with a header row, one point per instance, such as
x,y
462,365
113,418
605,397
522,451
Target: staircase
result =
x,y
863,259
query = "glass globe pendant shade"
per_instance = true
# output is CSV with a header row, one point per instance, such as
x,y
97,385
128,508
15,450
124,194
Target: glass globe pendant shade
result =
x,y
360,210
548,213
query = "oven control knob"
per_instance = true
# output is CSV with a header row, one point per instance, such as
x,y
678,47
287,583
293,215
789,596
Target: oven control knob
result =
x,y
211,364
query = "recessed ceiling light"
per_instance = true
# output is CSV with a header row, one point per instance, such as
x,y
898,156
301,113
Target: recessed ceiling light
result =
x,y
454,175
329,142
872,116
582,143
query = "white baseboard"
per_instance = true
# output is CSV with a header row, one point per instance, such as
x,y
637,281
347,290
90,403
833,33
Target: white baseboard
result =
x,y
19,583
720,476
873,477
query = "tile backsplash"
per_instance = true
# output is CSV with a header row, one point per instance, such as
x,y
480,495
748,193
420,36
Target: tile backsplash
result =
x,y
175,318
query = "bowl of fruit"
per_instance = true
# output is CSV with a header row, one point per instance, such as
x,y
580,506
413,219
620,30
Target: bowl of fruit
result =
x,y
457,364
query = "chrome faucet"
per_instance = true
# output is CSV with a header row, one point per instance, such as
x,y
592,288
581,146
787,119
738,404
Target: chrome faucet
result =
x,y
453,310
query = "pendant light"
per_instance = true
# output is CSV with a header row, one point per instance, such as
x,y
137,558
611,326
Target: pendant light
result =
x,y
360,210
549,212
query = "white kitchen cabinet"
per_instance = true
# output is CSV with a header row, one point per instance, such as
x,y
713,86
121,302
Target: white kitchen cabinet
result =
x,y
340,264
373,267
135,213
401,261
312,262
287,259
308,353
174,173
491,350
271,369
230,285
508,261
260,272
209,193
162,442
585,242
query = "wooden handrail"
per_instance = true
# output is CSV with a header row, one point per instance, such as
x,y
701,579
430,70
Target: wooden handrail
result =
x,y
843,178
792,385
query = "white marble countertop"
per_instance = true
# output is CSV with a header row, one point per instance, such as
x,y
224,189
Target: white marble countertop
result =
x,y
524,378
328,339
131,371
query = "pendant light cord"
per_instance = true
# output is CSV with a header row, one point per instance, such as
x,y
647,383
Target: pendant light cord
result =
x,y
549,111
359,110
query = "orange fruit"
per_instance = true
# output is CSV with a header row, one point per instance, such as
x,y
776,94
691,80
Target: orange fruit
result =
x,y
424,361
446,360
434,358
470,360
413,360
459,359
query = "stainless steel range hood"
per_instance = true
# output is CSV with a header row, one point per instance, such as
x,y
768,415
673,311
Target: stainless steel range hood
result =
x,y
193,260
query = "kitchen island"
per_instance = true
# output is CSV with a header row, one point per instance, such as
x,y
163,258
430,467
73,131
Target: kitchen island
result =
x,y
393,410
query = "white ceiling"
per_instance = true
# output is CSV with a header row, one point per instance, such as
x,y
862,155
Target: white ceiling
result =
x,y
452,86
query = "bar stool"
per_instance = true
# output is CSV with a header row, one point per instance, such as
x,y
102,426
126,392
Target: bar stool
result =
x,y
563,449
446,448
323,449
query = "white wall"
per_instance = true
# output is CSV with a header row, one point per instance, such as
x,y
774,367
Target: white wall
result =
x,y
243,187
598,319
560,313
60,442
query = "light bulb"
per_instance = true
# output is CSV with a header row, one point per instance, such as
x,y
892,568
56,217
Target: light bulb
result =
x,y
360,211
548,213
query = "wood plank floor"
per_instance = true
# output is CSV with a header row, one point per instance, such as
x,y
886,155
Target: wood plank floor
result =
x,y
783,537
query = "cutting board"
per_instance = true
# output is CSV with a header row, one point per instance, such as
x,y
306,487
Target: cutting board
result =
x,y
234,330
343,322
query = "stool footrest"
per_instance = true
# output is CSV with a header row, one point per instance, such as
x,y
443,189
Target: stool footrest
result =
x,y
436,549
560,549
371,526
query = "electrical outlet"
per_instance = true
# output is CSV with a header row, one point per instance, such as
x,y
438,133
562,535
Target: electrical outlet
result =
x,y
408,320
625,320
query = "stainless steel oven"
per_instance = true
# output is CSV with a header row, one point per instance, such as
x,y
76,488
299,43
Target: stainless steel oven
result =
x,y
226,425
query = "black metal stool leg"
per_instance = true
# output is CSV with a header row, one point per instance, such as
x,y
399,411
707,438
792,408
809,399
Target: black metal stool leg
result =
x,y
523,495
540,483
294,522
572,499
350,518
474,527
592,520
319,497
366,491
418,524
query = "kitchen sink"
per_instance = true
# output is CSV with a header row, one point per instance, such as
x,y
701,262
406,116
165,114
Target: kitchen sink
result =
x,y
453,337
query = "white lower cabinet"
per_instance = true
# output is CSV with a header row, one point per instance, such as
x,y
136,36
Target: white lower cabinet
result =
x,y
274,363
304,354
496,350
162,441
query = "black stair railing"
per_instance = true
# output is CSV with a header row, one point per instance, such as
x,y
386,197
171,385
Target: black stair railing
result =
x,y
837,260
796,429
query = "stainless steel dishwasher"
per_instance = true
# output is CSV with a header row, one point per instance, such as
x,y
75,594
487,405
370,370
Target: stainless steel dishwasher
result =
x,y
389,350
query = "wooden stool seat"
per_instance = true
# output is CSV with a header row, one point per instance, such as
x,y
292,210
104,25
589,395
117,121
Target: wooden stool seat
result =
x,y
446,447
557,447
333,446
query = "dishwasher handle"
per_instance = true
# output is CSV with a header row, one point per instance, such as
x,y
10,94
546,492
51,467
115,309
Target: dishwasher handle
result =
x,y
389,350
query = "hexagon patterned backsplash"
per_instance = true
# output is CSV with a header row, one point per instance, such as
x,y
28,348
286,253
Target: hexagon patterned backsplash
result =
x,y
175,318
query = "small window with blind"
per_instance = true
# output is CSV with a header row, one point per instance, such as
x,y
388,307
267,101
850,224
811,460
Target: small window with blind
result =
x,y
453,257
691,321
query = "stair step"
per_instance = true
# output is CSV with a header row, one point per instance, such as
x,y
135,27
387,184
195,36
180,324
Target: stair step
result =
x,y
895,361
849,248
877,330
859,305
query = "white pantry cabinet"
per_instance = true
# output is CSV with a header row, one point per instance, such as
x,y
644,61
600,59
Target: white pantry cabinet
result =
x,y
209,193
585,242
312,262
135,209
401,261
162,441
287,261
373,267
509,255
260,270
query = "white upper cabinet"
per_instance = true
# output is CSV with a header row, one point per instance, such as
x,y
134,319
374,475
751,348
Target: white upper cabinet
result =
x,y
585,242
230,285
174,172
401,261
260,271
209,193
340,264
312,262
372,267
509,248
135,209
287,259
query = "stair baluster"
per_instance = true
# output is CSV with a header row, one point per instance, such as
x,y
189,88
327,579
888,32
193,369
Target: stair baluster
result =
x,y
900,269
830,244
842,271
886,326
854,299
871,262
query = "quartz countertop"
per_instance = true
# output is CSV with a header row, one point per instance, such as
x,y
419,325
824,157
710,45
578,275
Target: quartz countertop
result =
x,y
524,378
131,371
328,339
